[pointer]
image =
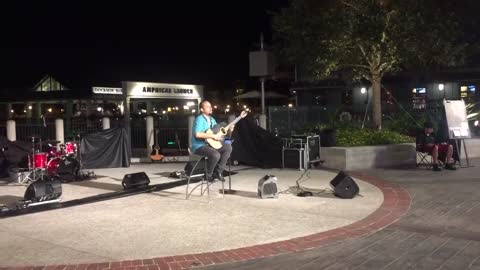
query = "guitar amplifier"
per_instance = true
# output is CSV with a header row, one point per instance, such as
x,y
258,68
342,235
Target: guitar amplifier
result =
x,y
294,158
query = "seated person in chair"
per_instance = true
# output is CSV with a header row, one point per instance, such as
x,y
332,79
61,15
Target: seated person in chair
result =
x,y
217,158
427,143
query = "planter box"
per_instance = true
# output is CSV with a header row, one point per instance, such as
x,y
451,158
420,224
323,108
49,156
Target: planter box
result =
x,y
366,157
382,156
473,148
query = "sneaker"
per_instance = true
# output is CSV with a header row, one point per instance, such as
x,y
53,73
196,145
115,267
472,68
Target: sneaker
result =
x,y
218,176
436,168
450,166
210,179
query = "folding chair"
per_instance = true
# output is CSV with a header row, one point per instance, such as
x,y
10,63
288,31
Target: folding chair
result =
x,y
424,158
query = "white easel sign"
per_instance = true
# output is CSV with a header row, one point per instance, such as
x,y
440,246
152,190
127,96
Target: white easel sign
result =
x,y
457,121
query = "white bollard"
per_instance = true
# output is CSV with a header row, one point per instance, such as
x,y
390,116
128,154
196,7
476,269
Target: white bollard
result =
x,y
59,134
106,122
11,130
263,121
150,133
191,119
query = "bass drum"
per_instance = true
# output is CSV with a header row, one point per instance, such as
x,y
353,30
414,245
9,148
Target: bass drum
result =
x,y
65,168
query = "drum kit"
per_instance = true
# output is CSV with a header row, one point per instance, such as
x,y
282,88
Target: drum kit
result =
x,y
51,159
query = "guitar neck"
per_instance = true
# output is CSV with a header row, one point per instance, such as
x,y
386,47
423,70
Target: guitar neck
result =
x,y
233,122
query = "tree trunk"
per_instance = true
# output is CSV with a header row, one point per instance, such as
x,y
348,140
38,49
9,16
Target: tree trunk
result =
x,y
377,101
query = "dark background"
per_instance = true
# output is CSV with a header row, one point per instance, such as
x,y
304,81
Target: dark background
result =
x,y
84,44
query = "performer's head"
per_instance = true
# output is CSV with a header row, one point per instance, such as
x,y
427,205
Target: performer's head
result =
x,y
206,107
428,127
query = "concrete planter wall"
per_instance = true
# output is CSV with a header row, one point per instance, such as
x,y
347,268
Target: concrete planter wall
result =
x,y
382,156
473,148
365,157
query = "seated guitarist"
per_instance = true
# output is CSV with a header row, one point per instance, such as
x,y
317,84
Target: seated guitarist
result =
x,y
217,158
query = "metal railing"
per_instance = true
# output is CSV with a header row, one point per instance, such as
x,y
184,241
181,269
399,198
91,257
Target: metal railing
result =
x,y
82,125
26,130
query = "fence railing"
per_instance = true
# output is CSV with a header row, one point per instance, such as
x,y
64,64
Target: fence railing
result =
x,y
167,137
25,131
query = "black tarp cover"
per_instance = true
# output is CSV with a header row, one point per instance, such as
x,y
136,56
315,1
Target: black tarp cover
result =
x,y
105,149
16,152
255,146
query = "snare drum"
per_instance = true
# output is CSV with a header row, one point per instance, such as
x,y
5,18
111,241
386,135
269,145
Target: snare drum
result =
x,y
40,160
70,148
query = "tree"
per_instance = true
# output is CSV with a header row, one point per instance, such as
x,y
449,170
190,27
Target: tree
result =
x,y
367,39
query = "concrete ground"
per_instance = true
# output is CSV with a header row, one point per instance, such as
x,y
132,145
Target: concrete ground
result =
x,y
164,223
441,230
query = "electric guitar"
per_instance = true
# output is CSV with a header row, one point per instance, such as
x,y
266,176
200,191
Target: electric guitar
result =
x,y
155,155
222,129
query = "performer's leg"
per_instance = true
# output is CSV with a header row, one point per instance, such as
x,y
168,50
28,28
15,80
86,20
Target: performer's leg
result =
x,y
213,157
435,154
225,152
450,154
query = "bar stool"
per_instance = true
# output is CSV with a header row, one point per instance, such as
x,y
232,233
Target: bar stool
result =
x,y
195,162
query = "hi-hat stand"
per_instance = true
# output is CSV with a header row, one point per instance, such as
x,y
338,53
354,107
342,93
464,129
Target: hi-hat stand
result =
x,y
33,174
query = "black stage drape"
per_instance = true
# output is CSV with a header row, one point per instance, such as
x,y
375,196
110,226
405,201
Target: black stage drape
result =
x,y
255,146
105,149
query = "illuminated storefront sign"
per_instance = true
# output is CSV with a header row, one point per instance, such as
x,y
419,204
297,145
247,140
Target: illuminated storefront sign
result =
x,y
161,90
107,90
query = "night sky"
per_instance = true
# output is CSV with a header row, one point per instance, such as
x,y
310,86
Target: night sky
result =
x,y
84,44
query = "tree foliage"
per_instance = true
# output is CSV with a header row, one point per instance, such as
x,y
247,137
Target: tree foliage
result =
x,y
367,39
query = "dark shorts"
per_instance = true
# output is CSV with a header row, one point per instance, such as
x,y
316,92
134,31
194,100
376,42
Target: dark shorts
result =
x,y
442,148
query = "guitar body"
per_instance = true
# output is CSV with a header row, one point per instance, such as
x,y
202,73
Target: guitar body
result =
x,y
155,155
222,128
219,128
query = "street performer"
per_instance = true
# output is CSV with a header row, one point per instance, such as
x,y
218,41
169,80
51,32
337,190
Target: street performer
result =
x,y
217,158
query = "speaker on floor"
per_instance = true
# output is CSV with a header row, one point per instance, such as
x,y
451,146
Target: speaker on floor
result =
x,y
43,191
343,186
267,187
135,180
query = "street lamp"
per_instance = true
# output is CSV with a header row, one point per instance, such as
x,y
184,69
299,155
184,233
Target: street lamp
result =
x,y
441,87
364,91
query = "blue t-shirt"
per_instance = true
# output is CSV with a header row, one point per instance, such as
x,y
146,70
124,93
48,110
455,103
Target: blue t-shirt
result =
x,y
200,125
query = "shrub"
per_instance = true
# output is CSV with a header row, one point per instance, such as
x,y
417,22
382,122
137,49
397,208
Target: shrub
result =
x,y
363,137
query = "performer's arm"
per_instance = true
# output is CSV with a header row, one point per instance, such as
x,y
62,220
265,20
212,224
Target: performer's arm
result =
x,y
203,135
199,128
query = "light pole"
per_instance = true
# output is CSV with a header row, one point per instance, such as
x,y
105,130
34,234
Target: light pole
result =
x,y
364,91
441,88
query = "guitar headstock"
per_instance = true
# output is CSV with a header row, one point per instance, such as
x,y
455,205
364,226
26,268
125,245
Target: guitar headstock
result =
x,y
243,114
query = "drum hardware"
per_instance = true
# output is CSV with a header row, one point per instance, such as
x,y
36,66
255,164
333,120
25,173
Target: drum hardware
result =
x,y
50,161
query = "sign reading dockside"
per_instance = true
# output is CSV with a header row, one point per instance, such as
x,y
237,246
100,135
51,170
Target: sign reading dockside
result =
x,y
107,90
163,90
